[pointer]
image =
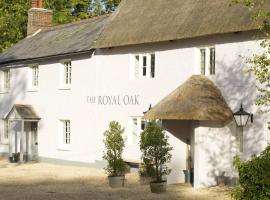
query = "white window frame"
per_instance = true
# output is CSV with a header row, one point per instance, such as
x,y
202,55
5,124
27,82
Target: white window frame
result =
x,y
5,80
267,135
208,69
5,132
64,136
66,74
33,77
135,130
141,69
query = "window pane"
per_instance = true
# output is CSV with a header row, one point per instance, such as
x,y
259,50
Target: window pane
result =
x,y
212,61
6,79
137,65
6,127
144,61
66,132
202,61
153,63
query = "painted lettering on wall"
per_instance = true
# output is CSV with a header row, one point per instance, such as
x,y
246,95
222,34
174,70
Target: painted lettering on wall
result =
x,y
113,100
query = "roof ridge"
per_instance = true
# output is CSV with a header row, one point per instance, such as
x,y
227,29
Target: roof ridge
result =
x,y
60,26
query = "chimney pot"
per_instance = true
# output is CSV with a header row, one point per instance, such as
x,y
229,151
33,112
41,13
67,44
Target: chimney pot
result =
x,y
37,3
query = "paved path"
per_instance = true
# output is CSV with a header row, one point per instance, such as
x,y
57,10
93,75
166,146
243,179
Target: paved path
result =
x,y
40,181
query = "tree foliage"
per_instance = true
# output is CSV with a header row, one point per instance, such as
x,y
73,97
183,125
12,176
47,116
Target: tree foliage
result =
x,y
254,177
13,15
114,147
155,150
259,64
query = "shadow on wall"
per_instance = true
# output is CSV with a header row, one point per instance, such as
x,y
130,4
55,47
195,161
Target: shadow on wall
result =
x,y
16,93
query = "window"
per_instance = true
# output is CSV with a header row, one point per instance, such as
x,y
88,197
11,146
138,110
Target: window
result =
x,y
202,51
207,61
268,134
6,128
64,137
67,72
144,66
34,76
66,132
6,79
138,124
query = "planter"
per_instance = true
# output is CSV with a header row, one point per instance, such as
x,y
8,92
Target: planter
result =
x,y
14,158
116,181
158,188
145,180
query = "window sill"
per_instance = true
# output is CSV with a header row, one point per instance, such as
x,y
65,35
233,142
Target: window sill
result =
x,y
64,148
4,143
65,87
4,92
33,90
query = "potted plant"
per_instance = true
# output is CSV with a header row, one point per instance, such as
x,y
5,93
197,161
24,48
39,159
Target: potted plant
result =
x,y
114,146
155,150
146,172
14,158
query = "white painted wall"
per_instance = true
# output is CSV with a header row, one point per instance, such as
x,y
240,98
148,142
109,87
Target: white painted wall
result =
x,y
108,73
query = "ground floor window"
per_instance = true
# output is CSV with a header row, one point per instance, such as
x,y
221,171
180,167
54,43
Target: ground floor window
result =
x,y
64,135
268,134
6,128
137,125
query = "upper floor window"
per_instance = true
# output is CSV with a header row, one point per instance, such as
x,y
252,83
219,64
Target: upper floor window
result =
x,y
6,79
137,125
143,66
34,75
66,132
67,72
207,61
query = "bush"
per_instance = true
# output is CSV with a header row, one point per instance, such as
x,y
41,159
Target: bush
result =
x,y
114,146
155,151
254,177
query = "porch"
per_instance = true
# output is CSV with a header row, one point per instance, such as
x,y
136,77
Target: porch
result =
x,y
23,133
197,114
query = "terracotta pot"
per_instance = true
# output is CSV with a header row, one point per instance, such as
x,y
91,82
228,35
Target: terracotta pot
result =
x,y
116,181
158,188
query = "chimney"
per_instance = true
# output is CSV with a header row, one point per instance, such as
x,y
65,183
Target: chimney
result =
x,y
38,18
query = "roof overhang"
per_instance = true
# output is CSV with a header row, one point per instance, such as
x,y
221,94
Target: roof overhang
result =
x,y
22,112
198,99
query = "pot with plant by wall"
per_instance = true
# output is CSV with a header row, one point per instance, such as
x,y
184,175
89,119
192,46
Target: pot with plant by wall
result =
x,y
156,154
114,146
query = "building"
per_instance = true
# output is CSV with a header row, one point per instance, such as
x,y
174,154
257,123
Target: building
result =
x,y
61,86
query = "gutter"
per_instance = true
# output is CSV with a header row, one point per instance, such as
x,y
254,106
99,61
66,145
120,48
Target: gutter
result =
x,y
22,62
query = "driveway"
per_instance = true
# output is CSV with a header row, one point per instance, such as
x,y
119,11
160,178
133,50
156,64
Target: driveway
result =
x,y
42,181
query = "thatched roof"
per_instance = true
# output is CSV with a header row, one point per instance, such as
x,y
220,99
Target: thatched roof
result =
x,y
147,21
197,99
70,38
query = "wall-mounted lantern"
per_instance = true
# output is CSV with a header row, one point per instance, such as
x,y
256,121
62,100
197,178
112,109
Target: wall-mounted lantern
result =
x,y
242,117
150,107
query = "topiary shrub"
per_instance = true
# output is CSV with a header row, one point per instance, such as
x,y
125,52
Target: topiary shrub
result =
x,y
114,146
254,177
155,150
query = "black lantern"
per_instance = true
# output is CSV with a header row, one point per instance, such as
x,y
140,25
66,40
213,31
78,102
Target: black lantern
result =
x,y
241,117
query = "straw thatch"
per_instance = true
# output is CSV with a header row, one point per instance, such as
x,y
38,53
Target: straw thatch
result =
x,y
147,21
197,99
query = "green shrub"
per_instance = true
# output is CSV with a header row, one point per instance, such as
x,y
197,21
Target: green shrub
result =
x,y
155,150
254,177
114,146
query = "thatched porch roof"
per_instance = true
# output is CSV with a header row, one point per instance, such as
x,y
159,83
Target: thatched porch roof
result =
x,y
197,99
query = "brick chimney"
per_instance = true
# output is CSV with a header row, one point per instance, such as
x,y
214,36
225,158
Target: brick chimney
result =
x,y
38,18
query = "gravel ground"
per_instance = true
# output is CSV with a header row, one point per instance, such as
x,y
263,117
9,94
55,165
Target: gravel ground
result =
x,y
41,181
